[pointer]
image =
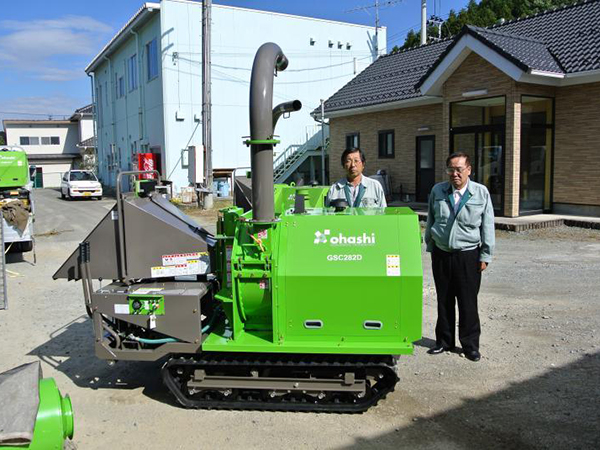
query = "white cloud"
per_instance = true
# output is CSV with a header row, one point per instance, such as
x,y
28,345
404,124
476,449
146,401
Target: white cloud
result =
x,y
70,22
42,47
34,107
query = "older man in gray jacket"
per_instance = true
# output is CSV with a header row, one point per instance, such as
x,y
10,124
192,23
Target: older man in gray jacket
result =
x,y
356,189
460,237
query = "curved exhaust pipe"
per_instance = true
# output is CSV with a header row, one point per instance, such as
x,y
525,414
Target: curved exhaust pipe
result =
x,y
268,60
287,107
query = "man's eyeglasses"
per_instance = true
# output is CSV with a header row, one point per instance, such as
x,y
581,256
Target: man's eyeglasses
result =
x,y
451,170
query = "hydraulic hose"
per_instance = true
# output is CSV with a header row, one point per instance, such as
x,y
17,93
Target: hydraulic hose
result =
x,y
167,340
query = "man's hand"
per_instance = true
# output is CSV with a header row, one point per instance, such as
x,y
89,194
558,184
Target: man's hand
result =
x,y
482,266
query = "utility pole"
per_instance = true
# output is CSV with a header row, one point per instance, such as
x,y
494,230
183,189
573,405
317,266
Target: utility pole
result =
x,y
206,104
423,22
323,181
376,5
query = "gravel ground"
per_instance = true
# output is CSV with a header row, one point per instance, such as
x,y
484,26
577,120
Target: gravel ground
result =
x,y
537,385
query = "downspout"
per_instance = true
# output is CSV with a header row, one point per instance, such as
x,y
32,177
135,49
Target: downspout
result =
x,y
141,126
112,104
95,122
126,93
262,118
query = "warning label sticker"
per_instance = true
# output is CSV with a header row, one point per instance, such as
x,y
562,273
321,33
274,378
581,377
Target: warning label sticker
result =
x,y
183,258
393,265
180,264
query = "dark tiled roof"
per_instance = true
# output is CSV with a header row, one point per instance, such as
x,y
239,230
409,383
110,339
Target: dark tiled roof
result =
x,y
572,34
390,78
525,52
563,40
88,109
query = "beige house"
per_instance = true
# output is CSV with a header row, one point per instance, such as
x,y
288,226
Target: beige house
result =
x,y
54,146
521,98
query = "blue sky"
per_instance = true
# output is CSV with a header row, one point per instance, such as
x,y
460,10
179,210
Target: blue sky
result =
x,y
45,46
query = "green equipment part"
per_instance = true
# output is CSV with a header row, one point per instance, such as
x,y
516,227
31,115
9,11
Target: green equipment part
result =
x,y
54,422
14,171
346,282
147,305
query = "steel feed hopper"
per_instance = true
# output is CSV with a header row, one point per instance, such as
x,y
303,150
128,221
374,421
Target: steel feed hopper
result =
x,y
296,305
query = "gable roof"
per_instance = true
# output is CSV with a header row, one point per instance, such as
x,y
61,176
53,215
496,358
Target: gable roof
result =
x,y
558,42
525,52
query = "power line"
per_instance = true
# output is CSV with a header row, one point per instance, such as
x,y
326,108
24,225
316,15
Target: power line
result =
x,y
295,70
376,5
35,114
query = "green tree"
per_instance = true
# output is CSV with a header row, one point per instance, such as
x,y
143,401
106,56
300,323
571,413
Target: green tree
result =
x,y
2,138
483,14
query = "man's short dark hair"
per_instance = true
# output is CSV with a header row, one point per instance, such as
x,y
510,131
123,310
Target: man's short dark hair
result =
x,y
353,150
458,155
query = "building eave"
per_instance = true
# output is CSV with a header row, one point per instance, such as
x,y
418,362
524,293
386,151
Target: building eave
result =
x,y
139,18
400,104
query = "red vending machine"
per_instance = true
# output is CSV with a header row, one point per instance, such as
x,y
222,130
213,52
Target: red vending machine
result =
x,y
148,161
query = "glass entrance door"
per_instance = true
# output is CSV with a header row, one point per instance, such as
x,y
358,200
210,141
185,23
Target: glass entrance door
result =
x,y
425,166
489,163
477,128
485,149
537,128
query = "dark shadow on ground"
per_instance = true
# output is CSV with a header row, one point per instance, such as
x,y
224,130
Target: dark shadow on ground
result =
x,y
70,350
425,342
559,409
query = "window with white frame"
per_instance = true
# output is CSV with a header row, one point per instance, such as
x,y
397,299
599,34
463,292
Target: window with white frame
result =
x,y
132,73
36,140
152,59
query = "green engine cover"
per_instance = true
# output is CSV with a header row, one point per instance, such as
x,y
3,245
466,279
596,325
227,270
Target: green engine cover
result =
x,y
14,169
320,282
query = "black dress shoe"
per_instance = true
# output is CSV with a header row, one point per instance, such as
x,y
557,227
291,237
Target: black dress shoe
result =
x,y
438,349
473,355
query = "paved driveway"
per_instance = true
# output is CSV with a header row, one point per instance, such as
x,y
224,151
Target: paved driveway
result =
x,y
535,387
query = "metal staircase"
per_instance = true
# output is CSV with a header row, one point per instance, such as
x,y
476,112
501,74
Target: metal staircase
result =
x,y
290,160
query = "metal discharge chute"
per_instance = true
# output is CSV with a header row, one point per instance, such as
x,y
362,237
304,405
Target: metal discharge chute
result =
x,y
290,306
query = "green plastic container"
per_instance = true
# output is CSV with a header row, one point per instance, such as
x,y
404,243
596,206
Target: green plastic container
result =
x,y
14,168
54,423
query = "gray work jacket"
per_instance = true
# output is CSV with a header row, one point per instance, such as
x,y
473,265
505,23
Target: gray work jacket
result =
x,y
373,196
471,227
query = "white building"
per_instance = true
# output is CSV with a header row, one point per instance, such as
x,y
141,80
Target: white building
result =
x,y
148,82
53,146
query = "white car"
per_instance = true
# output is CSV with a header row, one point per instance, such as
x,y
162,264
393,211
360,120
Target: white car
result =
x,y
80,183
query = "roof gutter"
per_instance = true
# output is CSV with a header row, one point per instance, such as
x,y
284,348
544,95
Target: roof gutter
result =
x,y
141,16
408,103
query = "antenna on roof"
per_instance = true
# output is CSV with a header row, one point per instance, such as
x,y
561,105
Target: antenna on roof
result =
x,y
376,5
436,19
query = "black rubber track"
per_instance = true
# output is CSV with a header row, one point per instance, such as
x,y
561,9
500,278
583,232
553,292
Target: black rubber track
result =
x,y
379,368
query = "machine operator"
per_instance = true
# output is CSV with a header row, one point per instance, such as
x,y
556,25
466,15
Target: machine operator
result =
x,y
357,189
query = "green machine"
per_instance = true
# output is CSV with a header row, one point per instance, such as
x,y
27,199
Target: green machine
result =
x,y
15,194
293,305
